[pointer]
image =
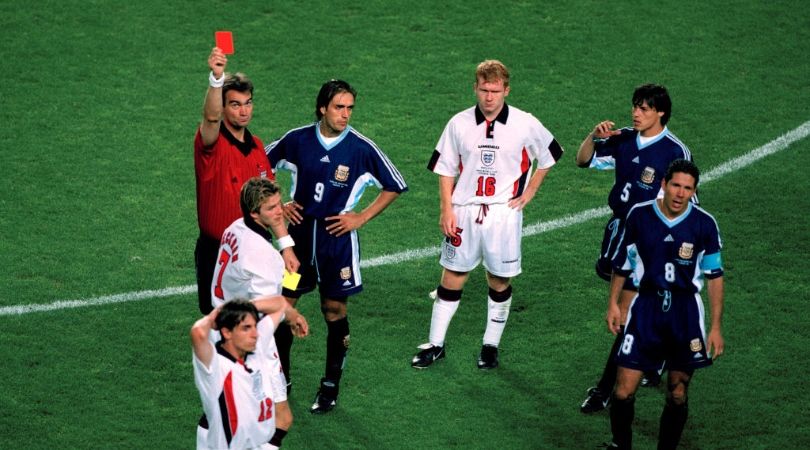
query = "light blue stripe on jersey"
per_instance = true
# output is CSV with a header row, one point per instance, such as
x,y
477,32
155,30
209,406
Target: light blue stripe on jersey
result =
x,y
670,222
336,141
286,165
603,163
388,164
360,185
662,135
712,262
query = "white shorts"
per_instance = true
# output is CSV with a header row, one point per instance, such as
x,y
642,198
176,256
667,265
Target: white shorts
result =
x,y
496,240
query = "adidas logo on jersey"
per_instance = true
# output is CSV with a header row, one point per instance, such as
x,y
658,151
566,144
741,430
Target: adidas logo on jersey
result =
x,y
325,159
669,238
347,283
635,160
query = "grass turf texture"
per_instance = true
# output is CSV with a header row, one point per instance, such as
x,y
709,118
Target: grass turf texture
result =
x,y
101,101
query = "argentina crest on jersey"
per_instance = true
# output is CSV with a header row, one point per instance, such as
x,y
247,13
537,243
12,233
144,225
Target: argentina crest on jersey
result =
x,y
342,173
686,250
487,157
648,175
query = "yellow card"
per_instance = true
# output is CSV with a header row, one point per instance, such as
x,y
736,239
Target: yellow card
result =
x,y
290,280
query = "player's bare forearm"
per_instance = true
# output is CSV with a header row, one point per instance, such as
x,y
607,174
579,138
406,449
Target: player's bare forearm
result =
x,y
531,189
715,289
447,217
602,130
199,337
291,262
345,223
614,314
212,108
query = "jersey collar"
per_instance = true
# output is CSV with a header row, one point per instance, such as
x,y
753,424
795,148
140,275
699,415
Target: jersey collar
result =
x,y
258,229
671,222
244,147
230,357
502,116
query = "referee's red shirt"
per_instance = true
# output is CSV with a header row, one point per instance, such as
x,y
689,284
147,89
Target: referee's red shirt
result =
x,y
221,170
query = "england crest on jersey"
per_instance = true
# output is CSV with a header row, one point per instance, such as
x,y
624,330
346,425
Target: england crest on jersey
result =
x,y
686,250
487,157
648,175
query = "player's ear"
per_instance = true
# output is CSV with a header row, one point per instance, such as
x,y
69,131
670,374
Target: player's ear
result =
x,y
254,215
506,91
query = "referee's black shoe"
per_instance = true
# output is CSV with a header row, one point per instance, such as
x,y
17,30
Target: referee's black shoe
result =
x,y
428,354
488,358
326,398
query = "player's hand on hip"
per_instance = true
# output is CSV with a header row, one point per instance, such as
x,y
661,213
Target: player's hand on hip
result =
x,y
344,223
291,262
217,62
604,130
519,203
291,212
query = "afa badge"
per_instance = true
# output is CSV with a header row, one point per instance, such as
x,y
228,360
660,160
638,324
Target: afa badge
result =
x,y
686,250
345,273
695,345
648,175
487,157
342,173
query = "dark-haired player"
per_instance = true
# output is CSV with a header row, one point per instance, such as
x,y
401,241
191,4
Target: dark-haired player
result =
x,y
639,155
226,155
331,166
671,246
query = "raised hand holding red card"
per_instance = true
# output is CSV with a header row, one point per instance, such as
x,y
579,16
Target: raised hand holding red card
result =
x,y
224,40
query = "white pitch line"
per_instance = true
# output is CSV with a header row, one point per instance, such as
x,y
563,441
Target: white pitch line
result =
x,y
776,145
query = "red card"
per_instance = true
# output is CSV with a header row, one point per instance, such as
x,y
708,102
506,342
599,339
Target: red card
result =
x,y
224,41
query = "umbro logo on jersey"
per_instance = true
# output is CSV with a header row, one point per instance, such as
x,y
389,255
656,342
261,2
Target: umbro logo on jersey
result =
x,y
325,159
635,160
669,238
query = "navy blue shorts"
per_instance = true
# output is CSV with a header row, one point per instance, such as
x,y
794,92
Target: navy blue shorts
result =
x,y
328,262
664,326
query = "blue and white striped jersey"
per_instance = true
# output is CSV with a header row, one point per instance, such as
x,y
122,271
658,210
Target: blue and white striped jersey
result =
x,y
639,168
674,255
329,179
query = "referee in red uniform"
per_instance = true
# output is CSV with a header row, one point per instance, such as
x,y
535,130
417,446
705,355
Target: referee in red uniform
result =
x,y
226,155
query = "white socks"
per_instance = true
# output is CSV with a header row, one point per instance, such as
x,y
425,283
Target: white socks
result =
x,y
497,313
443,312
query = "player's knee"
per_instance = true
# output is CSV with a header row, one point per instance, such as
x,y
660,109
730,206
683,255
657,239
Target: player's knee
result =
x,y
500,296
448,295
334,308
677,393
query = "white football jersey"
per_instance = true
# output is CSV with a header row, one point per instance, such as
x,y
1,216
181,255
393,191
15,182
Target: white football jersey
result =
x,y
248,265
237,396
492,160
